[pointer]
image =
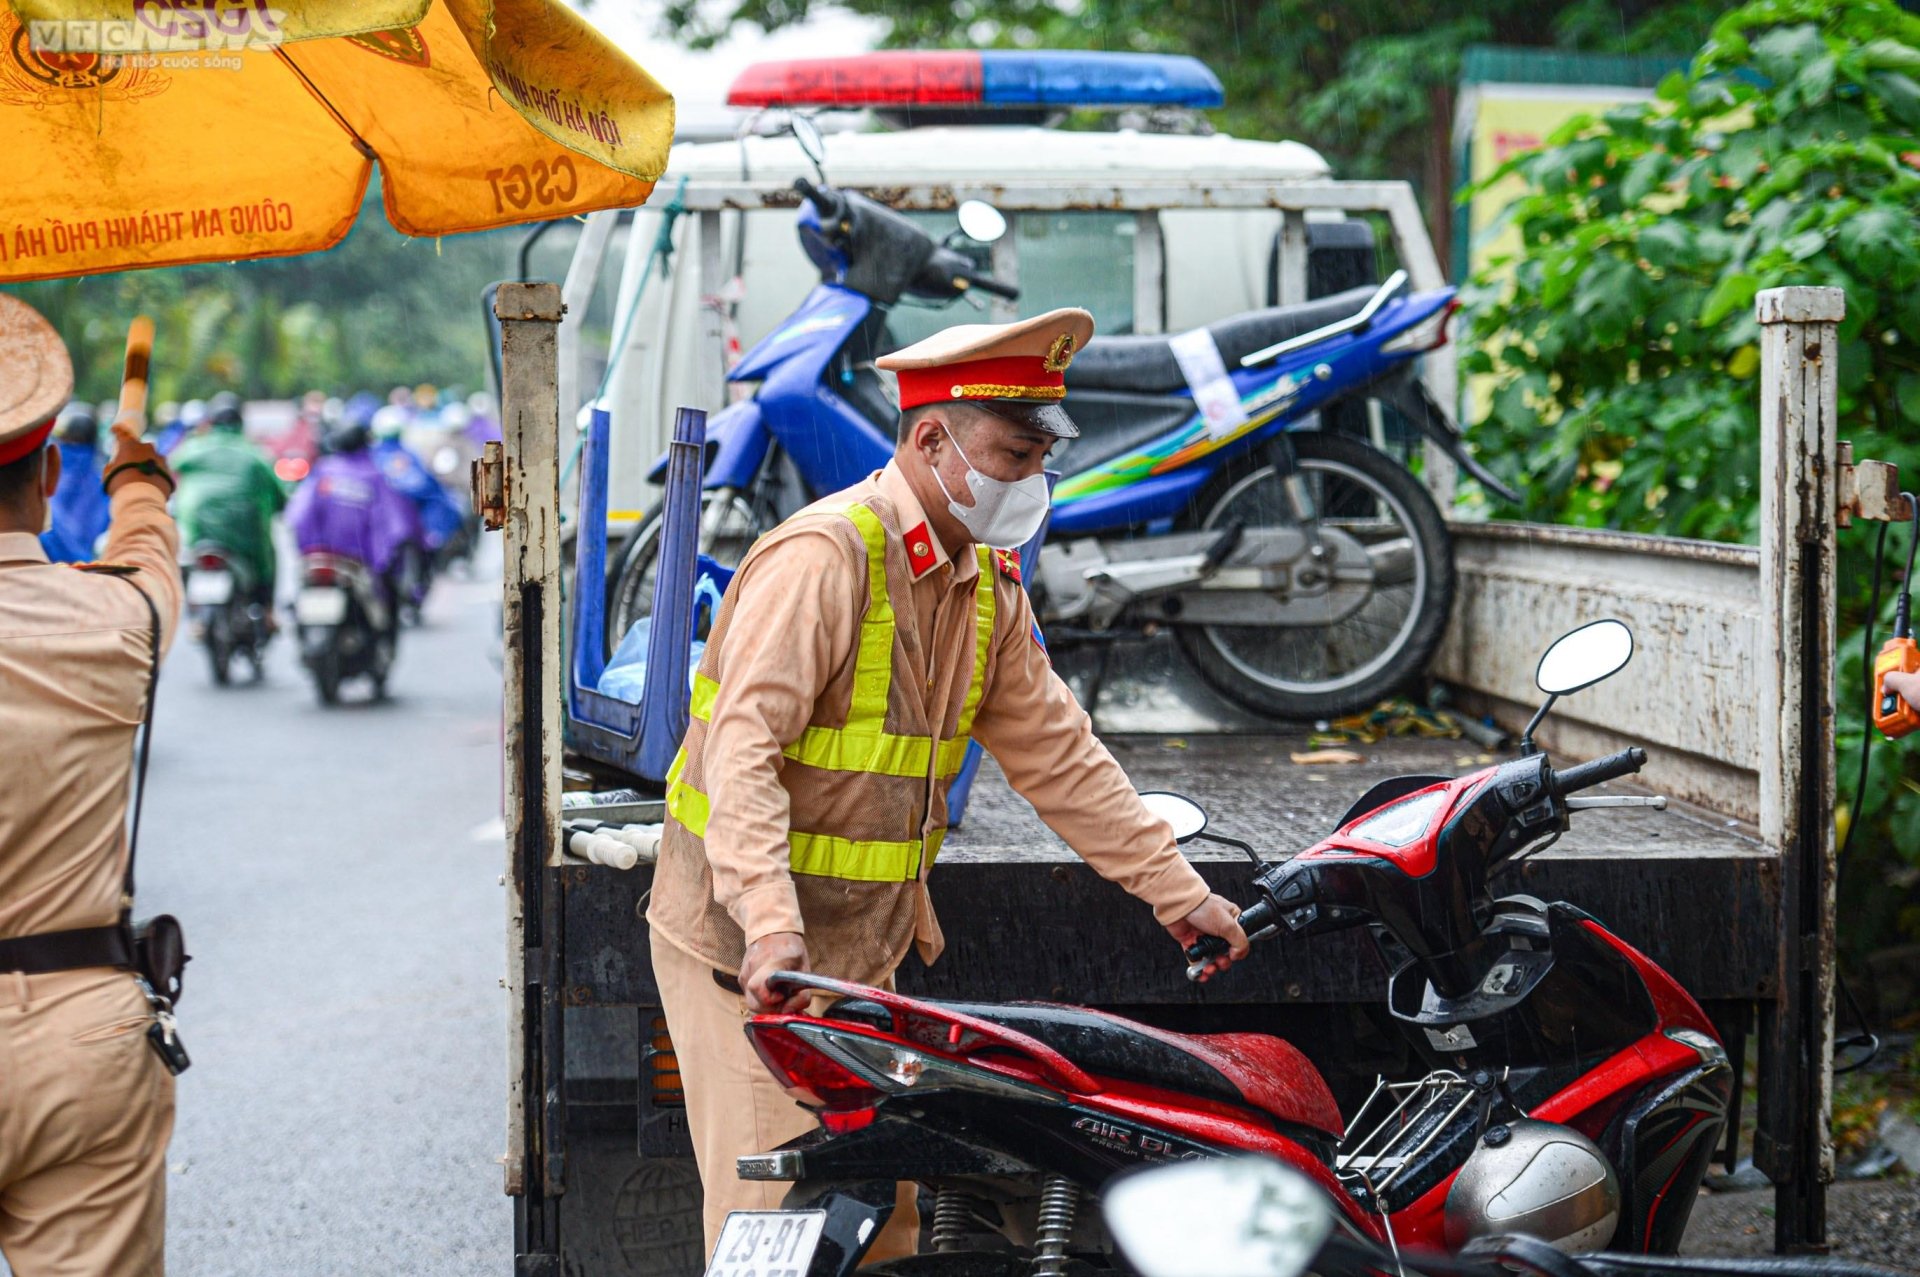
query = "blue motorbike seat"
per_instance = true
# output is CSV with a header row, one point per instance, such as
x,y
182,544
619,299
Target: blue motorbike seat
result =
x,y
1146,364
1112,425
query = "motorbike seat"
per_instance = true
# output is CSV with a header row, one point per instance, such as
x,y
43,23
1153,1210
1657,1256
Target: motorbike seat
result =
x,y
1247,1070
1114,425
1147,363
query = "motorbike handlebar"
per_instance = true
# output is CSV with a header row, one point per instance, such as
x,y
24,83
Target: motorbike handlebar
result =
x,y
1600,770
824,199
1254,918
988,284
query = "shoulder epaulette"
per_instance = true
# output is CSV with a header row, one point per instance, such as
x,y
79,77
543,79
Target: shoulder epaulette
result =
x,y
106,569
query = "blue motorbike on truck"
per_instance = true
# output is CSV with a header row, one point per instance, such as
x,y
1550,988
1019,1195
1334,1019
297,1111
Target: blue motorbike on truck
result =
x,y
1303,571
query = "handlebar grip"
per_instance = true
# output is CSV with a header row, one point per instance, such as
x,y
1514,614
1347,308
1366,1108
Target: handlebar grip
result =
x,y
809,191
1207,947
988,284
1254,918
1601,770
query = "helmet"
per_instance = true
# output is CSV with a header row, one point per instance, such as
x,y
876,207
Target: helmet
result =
x,y
193,412
1538,1178
77,424
348,436
224,409
455,416
388,422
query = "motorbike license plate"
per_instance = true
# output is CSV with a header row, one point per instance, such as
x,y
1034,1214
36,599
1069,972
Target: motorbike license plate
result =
x,y
320,606
209,589
767,1243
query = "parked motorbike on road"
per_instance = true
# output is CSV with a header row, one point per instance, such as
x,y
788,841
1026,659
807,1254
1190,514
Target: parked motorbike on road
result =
x,y
1572,1092
227,612
1304,572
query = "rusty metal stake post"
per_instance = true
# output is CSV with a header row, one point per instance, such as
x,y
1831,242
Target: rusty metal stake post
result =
x,y
1799,498
529,484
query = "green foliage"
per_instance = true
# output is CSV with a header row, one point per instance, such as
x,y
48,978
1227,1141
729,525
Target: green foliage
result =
x,y
1363,81
1620,338
379,310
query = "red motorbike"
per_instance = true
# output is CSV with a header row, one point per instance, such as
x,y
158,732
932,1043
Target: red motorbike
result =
x,y
1574,1091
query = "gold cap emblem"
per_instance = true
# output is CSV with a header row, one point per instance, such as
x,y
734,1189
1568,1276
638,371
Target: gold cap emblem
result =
x,y
1060,354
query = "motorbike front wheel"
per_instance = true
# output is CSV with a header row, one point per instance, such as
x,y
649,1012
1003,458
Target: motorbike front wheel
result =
x,y
730,522
1362,653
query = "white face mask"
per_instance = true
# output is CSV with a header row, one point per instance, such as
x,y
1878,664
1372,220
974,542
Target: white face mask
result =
x,y
1003,516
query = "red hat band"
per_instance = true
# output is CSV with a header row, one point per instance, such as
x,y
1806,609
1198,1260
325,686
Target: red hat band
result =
x,y
1007,377
14,449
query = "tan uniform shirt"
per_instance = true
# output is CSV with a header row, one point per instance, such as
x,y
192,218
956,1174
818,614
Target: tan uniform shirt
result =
x,y
797,609
74,666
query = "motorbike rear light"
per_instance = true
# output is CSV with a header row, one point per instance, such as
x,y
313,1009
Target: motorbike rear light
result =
x,y
322,575
291,469
847,1121
809,1075
1011,78
1429,334
211,562
662,1068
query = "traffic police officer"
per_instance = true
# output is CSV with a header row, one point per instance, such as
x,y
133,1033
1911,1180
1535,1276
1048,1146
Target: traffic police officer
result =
x,y
861,644
86,1106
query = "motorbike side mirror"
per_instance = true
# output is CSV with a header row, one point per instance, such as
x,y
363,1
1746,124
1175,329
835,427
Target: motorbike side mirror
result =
x,y
1576,660
981,221
1582,657
1243,1215
812,144
1187,817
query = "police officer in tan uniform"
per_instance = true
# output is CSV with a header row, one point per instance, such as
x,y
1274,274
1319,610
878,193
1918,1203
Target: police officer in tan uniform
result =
x,y
86,1104
860,646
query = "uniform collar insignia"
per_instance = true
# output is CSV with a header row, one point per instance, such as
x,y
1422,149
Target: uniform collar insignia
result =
x,y
920,552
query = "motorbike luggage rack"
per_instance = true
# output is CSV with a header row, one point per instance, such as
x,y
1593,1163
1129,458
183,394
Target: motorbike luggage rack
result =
x,y
1412,1116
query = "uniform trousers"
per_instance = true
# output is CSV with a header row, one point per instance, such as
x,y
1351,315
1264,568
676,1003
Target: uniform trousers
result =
x,y
735,1106
86,1110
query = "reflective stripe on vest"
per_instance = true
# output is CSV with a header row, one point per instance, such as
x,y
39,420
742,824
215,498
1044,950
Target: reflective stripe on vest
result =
x,y
863,745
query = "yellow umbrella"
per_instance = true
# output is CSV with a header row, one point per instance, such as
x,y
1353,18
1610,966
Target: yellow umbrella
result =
x,y
161,132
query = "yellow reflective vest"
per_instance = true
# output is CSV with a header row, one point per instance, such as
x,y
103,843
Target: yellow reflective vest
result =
x,y
861,787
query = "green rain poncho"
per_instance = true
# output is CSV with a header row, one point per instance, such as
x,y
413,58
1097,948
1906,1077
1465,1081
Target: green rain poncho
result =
x,y
228,495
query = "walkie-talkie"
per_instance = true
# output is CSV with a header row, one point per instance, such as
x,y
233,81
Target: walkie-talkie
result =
x,y
1899,654
1891,713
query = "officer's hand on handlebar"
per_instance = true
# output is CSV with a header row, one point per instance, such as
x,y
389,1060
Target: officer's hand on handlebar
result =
x,y
1216,916
781,951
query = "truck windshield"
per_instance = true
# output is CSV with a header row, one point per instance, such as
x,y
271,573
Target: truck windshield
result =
x,y
1066,259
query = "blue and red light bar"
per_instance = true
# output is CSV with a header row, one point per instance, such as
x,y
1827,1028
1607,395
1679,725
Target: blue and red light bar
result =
x,y
1009,78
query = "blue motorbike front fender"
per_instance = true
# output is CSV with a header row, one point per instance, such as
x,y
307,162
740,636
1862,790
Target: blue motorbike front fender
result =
x,y
737,440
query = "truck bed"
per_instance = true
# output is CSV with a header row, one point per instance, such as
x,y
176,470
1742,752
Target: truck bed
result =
x,y
1025,918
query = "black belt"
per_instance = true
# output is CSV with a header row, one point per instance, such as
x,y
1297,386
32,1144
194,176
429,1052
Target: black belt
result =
x,y
68,950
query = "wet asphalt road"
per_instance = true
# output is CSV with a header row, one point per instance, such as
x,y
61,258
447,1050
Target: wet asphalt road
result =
x,y
336,871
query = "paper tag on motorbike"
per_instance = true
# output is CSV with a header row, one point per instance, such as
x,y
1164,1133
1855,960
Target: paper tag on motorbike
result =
x,y
1206,374
767,1243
